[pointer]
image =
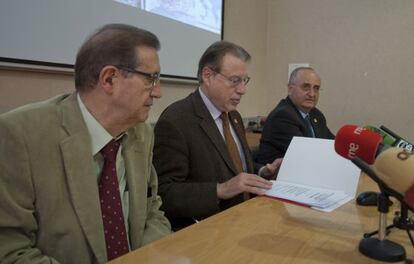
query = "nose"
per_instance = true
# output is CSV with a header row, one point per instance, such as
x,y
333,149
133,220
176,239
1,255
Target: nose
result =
x,y
241,88
156,91
312,92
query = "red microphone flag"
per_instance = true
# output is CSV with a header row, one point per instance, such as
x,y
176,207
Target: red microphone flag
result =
x,y
353,141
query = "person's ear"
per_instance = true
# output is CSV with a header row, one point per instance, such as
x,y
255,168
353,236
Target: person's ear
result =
x,y
107,77
290,87
206,73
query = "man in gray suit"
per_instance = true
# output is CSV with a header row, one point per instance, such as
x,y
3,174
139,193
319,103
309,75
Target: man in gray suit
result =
x,y
55,206
200,153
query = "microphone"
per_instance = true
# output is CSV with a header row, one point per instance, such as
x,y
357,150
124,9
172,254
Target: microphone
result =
x,y
400,143
387,139
391,139
393,172
395,168
380,248
353,141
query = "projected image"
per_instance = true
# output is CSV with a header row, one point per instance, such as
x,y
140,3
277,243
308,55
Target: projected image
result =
x,y
205,14
134,3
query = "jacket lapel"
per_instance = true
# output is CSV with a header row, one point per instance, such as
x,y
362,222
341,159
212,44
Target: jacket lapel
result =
x,y
315,124
137,166
300,118
78,166
210,128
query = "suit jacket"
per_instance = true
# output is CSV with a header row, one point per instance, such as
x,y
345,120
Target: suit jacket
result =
x,y
49,200
191,157
282,124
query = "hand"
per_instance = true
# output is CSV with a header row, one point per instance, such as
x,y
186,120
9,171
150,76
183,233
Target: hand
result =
x,y
271,169
244,182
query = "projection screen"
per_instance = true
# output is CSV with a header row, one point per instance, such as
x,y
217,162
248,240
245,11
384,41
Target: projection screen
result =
x,y
49,32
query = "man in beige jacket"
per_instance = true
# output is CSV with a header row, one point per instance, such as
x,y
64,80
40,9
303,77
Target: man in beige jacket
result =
x,y
51,205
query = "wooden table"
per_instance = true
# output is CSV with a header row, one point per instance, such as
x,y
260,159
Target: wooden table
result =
x,y
263,230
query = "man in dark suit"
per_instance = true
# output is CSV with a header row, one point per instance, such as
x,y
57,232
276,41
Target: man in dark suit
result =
x,y
201,153
296,115
76,180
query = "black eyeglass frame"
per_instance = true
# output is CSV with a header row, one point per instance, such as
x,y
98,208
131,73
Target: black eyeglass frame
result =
x,y
154,78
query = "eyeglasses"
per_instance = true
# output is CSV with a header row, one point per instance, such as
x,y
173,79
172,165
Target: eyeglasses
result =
x,y
234,80
151,78
308,87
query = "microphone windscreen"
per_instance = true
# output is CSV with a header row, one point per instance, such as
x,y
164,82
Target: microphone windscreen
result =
x,y
395,167
387,140
354,141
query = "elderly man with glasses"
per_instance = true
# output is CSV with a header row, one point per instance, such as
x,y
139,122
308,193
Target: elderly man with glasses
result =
x,y
296,115
201,154
76,180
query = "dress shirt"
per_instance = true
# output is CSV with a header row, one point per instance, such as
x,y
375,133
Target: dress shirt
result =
x,y
99,138
215,114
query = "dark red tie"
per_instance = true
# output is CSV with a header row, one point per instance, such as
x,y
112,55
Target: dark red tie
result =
x,y
112,216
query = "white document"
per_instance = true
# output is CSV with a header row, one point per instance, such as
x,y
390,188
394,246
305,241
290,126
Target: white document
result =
x,y
314,197
327,180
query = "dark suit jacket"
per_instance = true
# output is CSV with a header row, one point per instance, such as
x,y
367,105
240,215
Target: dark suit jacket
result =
x,y
282,124
49,200
190,157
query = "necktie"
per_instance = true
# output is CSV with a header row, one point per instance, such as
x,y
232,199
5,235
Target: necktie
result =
x,y
111,208
232,148
309,125
231,144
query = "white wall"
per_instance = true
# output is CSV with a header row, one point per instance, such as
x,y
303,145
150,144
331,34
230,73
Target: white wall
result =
x,y
363,50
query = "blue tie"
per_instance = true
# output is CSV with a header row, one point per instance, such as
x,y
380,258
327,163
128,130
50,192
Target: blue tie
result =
x,y
309,126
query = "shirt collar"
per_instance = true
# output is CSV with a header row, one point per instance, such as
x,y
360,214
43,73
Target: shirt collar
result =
x,y
214,112
303,114
99,136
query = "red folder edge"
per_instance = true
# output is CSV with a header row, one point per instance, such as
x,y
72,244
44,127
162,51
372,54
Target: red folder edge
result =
x,y
287,201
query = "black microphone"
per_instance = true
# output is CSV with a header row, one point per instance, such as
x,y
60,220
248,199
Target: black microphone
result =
x,y
400,142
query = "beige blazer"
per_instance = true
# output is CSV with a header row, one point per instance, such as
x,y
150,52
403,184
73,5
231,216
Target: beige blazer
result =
x,y
49,201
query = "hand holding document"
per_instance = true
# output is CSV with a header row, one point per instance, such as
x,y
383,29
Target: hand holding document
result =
x,y
313,174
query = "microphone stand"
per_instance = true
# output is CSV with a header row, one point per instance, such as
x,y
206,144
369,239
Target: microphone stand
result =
x,y
401,221
380,248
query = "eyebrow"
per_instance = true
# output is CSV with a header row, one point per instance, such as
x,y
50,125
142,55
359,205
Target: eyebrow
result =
x,y
309,84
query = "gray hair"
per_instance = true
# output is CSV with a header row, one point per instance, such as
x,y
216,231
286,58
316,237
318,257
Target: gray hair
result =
x,y
295,72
